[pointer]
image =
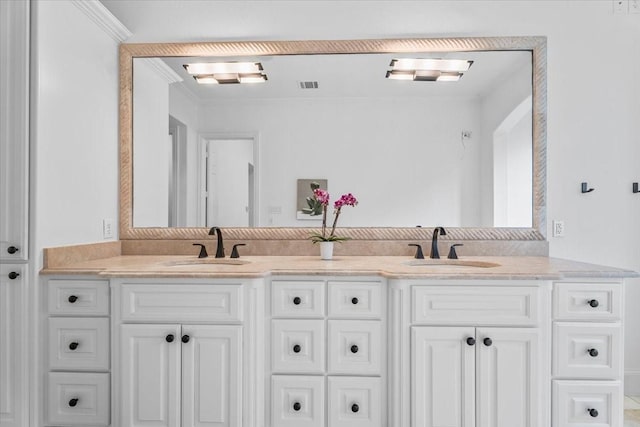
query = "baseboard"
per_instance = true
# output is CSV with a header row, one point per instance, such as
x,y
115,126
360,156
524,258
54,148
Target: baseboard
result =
x,y
632,383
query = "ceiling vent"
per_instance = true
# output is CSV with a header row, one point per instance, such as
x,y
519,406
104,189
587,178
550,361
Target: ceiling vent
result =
x,y
308,85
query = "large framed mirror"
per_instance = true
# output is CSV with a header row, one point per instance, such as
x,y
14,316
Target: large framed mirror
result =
x,y
419,148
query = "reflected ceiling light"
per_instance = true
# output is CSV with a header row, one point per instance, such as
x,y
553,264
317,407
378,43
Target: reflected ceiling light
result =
x,y
408,64
226,72
223,68
428,69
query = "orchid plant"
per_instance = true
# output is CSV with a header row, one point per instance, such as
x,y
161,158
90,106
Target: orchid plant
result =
x,y
322,197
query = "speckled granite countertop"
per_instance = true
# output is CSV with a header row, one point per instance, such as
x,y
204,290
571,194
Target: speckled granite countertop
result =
x,y
393,267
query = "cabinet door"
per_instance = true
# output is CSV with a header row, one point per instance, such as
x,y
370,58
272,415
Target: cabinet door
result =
x,y
13,382
211,376
150,376
14,129
508,376
443,376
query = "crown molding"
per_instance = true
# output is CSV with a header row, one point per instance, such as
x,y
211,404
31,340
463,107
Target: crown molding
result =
x,y
162,69
105,19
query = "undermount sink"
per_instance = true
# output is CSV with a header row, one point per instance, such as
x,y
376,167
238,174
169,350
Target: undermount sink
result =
x,y
206,261
451,263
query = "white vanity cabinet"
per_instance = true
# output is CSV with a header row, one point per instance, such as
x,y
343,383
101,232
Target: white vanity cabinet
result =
x,y
587,353
328,347
187,352
469,354
78,352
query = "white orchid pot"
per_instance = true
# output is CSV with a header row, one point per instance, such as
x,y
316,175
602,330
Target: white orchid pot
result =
x,y
326,250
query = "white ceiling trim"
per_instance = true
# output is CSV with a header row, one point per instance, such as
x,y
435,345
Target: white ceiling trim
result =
x,y
105,19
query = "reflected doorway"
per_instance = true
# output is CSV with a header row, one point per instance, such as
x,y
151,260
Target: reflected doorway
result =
x,y
229,194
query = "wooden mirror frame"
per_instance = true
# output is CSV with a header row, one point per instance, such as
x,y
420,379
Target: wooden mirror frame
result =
x,y
536,45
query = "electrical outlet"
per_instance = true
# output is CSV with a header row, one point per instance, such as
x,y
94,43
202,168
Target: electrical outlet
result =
x,y
634,6
107,228
558,228
620,7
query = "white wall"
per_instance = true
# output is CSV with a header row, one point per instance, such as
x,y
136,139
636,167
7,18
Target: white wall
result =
x,y
593,92
435,182
74,126
152,154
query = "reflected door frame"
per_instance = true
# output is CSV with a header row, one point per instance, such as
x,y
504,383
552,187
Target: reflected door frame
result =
x,y
204,140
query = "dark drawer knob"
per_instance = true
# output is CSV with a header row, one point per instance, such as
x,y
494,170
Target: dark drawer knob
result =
x,y
185,338
354,349
13,275
487,342
593,412
355,408
297,300
73,345
594,303
12,249
297,348
72,299
297,406
354,300
169,338
73,402
471,341
593,352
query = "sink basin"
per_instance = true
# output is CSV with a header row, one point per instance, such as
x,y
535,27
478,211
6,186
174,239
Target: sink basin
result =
x,y
451,263
207,261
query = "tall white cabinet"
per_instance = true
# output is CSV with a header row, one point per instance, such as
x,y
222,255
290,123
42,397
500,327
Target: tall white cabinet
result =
x,y
14,150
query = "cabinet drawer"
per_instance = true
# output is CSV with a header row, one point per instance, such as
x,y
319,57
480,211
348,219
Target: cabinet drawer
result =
x,y
588,301
354,402
298,346
78,399
587,350
297,401
78,297
354,347
182,303
484,305
355,300
297,299
78,343
581,403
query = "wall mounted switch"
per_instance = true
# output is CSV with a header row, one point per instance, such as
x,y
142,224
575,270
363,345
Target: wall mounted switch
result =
x,y
107,228
558,228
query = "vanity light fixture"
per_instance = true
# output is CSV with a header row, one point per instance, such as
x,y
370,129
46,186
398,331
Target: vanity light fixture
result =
x,y
428,69
226,72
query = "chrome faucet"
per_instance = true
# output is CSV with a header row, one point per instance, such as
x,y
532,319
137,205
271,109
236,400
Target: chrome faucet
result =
x,y
434,242
220,248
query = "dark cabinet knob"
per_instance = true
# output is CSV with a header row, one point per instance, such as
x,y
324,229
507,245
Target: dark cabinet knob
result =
x,y
297,300
487,342
355,408
593,412
12,250
297,406
185,338
354,349
471,341
72,299
73,345
593,352
73,402
169,338
594,303
13,275
354,300
297,348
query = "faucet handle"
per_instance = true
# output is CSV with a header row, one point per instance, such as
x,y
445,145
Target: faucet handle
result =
x,y
419,254
452,251
234,251
203,250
